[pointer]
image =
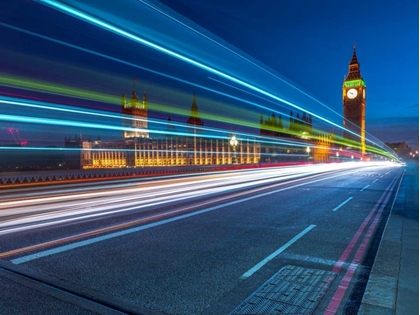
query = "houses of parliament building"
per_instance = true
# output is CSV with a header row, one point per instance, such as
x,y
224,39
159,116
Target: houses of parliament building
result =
x,y
137,148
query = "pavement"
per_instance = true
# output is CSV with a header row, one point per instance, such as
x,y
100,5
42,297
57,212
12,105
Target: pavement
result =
x,y
393,286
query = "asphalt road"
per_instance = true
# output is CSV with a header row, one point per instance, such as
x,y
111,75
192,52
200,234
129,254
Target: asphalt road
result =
x,y
195,245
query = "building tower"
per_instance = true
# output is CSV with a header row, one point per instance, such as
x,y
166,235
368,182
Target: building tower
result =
x,y
134,115
194,120
354,104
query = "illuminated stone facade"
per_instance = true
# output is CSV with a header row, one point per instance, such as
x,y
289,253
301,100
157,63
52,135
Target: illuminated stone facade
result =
x,y
170,151
138,149
322,145
296,127
299,126
135,116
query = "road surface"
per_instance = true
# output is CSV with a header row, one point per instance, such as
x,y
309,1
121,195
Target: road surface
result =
x,y
294,239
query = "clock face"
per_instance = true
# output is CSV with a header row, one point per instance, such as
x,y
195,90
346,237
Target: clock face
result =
x,y
352,93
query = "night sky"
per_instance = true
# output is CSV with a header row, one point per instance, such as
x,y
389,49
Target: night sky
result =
x,y
311,43
308,43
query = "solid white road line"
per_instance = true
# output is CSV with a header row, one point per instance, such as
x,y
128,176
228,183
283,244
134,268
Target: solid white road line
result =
x,y
270,257
342,204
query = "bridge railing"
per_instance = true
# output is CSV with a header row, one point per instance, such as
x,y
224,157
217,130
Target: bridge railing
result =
x,y
33,178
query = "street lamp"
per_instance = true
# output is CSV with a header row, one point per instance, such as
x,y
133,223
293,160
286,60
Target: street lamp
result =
x,y
308,150
233,142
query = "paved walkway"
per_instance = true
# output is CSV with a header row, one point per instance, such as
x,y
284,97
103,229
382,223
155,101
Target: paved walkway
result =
x,y
393,286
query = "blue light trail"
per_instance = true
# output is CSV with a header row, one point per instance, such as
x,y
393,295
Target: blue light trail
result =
x,y
105,24
207,132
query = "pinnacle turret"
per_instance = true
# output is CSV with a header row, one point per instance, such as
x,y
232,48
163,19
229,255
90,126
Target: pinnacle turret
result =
x,y
194,118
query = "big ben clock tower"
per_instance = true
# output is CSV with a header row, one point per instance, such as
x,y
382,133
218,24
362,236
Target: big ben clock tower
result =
x,y
354,104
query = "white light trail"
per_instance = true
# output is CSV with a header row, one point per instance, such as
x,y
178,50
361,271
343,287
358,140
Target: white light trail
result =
x,y
33,213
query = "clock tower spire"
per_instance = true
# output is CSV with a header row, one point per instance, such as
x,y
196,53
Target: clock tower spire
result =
x,y
354,105
354,67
